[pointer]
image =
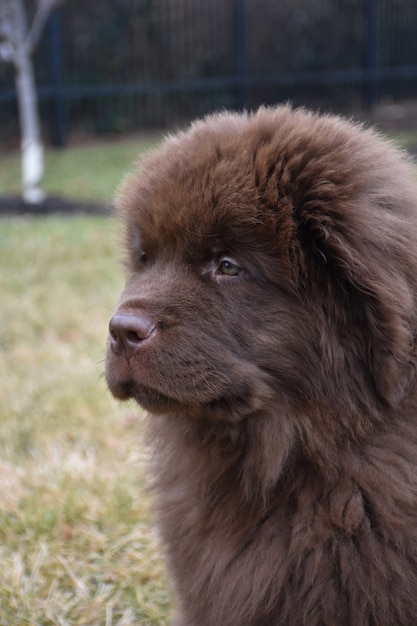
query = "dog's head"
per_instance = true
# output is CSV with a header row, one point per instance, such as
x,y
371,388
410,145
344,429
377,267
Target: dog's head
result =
x,y
272,262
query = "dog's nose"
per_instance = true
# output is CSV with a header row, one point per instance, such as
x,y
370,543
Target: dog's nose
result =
x,y
127,333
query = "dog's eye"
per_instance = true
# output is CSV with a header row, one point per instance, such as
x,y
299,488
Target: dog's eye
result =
x,y
228,268
143,258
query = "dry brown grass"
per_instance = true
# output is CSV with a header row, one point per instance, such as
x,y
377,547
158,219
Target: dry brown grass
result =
x,y
76,542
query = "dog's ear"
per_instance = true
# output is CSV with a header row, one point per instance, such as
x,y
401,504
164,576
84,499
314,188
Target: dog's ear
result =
x,y
378,298
388,336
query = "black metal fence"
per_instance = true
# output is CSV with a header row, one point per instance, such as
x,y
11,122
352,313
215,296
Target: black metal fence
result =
x,y
113,66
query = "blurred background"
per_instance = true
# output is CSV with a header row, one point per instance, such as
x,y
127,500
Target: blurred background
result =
x,y
117,66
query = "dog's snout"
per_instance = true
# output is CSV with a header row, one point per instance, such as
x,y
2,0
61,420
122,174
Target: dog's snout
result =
x,y
127,333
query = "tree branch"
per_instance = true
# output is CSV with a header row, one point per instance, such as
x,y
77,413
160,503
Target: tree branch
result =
x,y
44,8
8,35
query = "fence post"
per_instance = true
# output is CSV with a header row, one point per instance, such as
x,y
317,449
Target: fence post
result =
x,y
239,40
371,52
57,102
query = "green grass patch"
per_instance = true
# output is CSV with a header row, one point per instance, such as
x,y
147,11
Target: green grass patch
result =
x,y
90,171
77,544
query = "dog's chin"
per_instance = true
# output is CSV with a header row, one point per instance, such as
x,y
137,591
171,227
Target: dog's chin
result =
x,y
150,399
230,408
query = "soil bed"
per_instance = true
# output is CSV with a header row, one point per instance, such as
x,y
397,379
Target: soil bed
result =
x,y
52,205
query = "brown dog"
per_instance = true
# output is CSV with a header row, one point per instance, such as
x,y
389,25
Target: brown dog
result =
x,y
268,324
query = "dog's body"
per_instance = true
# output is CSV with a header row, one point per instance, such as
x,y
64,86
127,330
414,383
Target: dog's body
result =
x,y
268,324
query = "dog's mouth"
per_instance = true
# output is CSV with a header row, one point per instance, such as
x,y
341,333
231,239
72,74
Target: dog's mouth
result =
x,y
226,391
231,406
150,399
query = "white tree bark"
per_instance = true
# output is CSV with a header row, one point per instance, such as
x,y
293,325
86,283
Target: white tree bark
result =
x,y
31,140
16,45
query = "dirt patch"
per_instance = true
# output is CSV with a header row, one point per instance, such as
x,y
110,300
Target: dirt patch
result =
x,y
52,205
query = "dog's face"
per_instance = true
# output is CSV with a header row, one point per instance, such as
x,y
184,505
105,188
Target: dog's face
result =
x,y
196,327
257,273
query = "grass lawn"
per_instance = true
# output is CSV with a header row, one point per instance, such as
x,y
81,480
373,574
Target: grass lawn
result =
x,y
76,542
89,171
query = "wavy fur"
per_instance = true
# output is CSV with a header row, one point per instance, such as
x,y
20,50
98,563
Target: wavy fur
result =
x,y
283,397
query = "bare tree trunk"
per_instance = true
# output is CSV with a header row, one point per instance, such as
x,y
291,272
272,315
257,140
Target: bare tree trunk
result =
x,y
31,142
17,43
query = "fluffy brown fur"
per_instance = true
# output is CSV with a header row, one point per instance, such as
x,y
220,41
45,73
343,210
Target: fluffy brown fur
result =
x,y
268,325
